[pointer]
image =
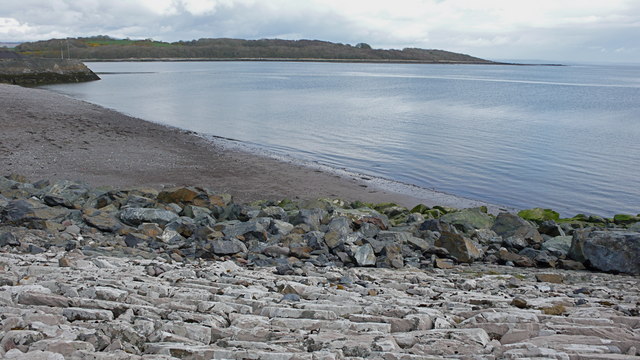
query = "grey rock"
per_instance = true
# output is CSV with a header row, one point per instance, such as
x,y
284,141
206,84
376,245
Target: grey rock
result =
x,y
74,314
228,246
102,221
252,229
558,246
7,238
279,227
65,193
468,220
274,212
29,211
137,216
311,217
460,247
365,256
509,225
607,250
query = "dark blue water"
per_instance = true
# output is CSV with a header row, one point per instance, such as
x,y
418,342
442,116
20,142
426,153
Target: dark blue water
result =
x,y
567,138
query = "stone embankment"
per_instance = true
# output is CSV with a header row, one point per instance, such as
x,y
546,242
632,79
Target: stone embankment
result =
x,y
97,273
39,71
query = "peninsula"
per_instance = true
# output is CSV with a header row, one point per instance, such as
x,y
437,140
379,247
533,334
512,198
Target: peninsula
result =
x,y
105,48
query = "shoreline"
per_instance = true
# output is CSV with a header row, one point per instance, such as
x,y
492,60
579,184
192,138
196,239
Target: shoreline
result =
x,y
47,135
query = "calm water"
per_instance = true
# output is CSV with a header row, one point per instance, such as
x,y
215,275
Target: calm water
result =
x,y
567,138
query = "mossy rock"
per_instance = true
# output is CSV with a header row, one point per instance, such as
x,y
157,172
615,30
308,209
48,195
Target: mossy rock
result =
x,y
539,215
361,204
434,213
382,206
444,210
625,219
420,208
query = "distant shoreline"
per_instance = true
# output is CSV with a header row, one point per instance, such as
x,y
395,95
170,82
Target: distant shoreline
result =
x,y
319,60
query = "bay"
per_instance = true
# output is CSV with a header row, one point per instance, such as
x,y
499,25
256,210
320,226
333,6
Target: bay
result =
x,y
565,137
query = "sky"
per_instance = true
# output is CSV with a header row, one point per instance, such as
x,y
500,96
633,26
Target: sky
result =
x,y
550,30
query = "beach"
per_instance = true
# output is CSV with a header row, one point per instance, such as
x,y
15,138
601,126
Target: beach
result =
x,y
50,136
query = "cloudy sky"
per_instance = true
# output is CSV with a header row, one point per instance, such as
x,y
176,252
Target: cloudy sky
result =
x,y
556,30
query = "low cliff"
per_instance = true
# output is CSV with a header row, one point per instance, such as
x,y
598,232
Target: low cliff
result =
x,y
32,71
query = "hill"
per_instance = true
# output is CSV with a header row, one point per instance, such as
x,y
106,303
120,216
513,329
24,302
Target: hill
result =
x,y
107,48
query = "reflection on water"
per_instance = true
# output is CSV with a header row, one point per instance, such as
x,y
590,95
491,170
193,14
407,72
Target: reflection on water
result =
x,y
521,136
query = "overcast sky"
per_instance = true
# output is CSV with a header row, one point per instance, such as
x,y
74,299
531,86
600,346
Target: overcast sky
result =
x,y
557,30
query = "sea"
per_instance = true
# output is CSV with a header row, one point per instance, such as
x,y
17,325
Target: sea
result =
x,y
559,137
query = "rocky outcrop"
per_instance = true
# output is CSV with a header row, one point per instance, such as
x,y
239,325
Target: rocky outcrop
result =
x,y
37,71
186,273
617,251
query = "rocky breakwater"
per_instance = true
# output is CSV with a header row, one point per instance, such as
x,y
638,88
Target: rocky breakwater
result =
x,y
100,273
40,71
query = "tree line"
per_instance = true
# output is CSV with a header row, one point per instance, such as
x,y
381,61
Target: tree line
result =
x,y
107,48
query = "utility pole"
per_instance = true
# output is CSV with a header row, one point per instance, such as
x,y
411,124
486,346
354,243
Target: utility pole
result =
x,y
68,51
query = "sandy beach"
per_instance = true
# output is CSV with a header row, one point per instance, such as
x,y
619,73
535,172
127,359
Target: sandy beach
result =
x,y
50,136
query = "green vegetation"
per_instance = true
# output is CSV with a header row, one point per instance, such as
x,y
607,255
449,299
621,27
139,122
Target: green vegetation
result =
x,y
107,48
539,215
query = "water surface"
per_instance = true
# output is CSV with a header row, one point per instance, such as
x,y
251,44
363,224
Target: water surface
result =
x,y
567,138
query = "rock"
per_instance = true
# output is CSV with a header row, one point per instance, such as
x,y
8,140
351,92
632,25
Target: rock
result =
x,y
625,219
101,220
444,263
550,278
185,196
550,228
558,246
279,227
364,215
274,212
568,264
365,256
40,299
505,256
616,251
74,314
460,247
65,193
541,257
391,256
468,220
137,216
252,229
228,246
539,215
511,226
519,303
33,355
31,213
311,217
9,239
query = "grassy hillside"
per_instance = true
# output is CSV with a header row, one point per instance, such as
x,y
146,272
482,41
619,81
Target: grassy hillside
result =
x,y
107,48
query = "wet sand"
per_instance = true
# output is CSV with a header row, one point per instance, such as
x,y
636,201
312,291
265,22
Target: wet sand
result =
x,y
50,136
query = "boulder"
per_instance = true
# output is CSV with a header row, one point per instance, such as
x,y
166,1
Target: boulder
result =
x,y
185,196
101,220
468,219
509,225
460,247
29,212
616,251
228,246
558,246
65,193
364,255
539,215
311,217
137,216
